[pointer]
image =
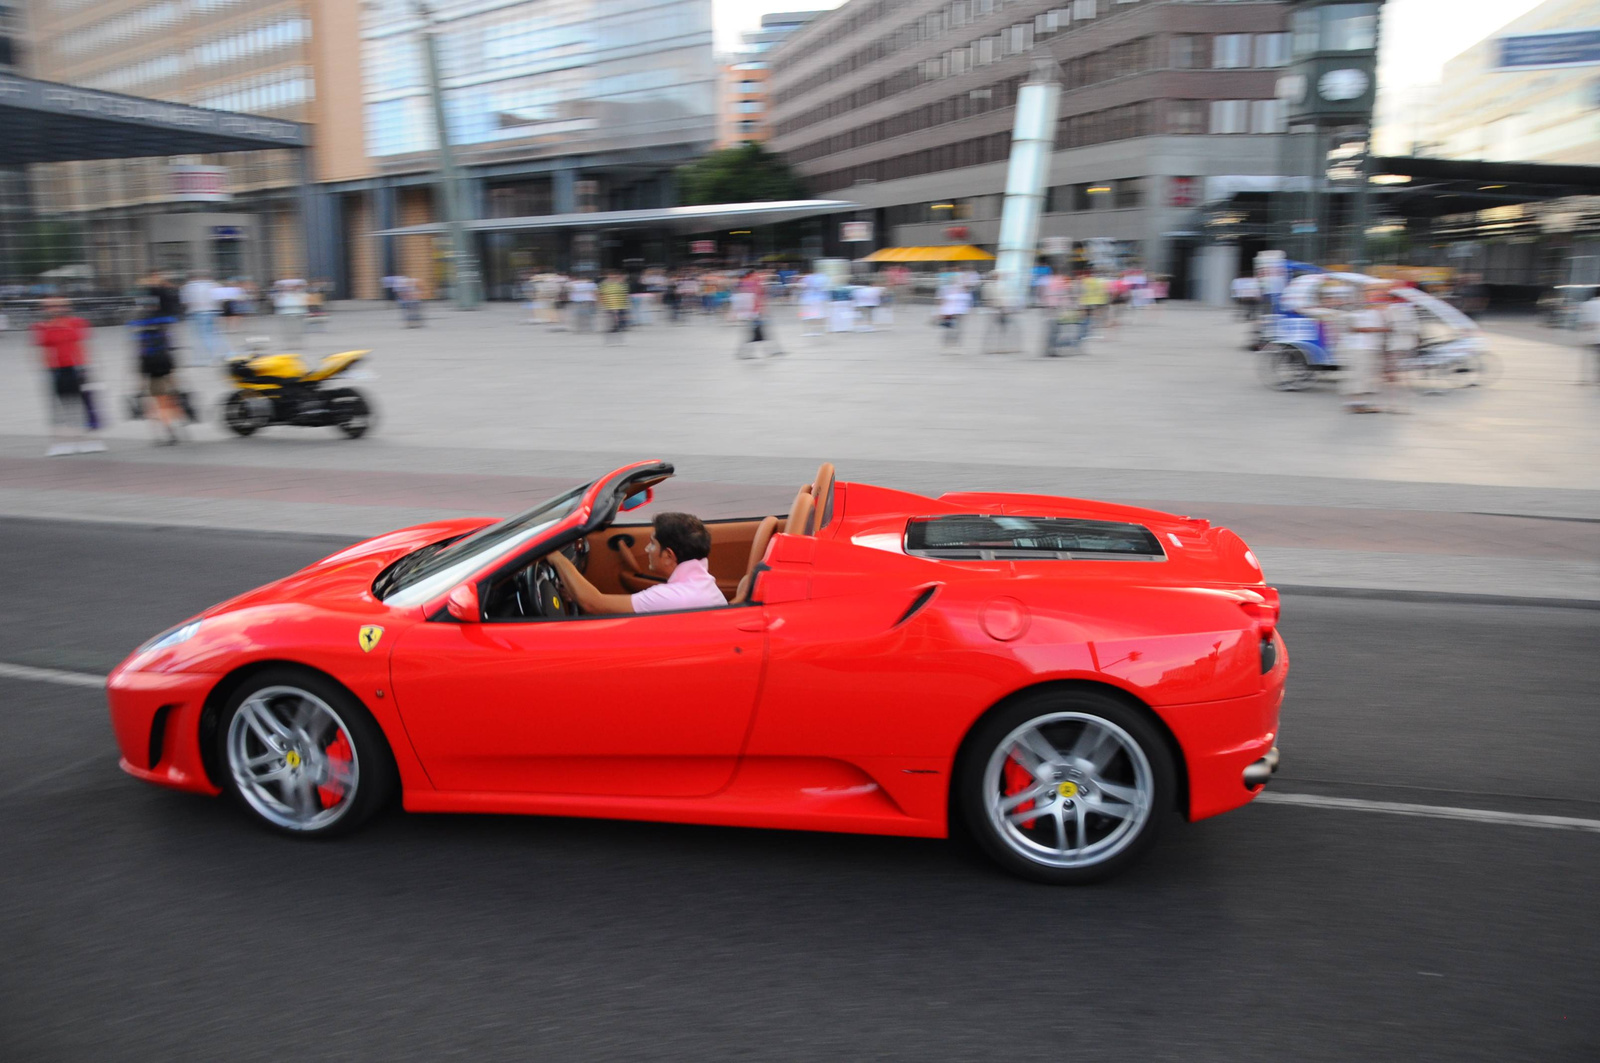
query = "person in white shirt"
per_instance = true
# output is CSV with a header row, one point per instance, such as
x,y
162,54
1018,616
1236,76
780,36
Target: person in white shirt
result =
x,y
1362,350
814,291
199,297
678,548
582,293
1589,322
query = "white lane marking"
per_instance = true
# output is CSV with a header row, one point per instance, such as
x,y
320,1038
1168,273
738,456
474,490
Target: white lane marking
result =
x,y
1396,808
52,675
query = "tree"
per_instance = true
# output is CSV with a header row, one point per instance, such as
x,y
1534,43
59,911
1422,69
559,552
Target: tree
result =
x,y
746,174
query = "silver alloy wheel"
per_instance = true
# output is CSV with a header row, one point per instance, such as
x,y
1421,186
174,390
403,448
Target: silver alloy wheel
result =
x,y
279,753
1088,794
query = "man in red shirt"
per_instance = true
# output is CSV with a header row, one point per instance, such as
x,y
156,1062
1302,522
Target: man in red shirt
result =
x,y
61,338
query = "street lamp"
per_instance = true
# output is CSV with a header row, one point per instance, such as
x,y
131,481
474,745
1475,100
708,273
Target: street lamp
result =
x,y
467,287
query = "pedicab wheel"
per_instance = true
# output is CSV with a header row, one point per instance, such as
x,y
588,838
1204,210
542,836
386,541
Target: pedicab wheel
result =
x,y
352,412
238,416
1065,788
1284,368
301,755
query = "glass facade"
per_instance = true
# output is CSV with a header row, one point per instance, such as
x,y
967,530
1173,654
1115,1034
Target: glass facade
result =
x,y
552,76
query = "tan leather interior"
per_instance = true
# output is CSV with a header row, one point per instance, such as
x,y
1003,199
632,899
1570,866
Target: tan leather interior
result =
x,y
822,496
730,550
758,550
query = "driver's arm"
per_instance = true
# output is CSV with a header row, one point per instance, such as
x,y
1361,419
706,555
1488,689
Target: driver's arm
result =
x,y
589,598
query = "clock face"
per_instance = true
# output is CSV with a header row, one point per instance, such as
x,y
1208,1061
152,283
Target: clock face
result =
x,y
1345,84
1292,88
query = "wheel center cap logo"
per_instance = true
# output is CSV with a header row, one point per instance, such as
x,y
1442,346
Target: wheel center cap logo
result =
x,y
292,758
1067,789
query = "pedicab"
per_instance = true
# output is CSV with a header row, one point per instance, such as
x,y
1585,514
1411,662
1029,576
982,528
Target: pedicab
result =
x,y
1451,351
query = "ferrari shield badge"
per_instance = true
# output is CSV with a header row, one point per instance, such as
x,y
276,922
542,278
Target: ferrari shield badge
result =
x,y
369,636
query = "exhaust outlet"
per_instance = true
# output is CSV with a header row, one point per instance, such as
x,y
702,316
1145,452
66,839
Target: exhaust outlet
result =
x,y
1260,773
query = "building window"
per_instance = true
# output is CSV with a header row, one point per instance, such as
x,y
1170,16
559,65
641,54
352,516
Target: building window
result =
x,y
1230,116
746,125
1083,9
749,106
1129,192
749,86
1230,50
1272,49
1267,116
1188,51
1186,116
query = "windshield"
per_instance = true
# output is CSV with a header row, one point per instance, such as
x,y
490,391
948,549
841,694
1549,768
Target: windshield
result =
x,y
427,573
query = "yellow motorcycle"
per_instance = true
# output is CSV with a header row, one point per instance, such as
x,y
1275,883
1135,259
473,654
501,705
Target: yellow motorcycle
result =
x,y
274,389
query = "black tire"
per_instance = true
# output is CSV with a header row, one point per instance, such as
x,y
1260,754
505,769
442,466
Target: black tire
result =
x,y
237,416
1114,842
374,774
352,412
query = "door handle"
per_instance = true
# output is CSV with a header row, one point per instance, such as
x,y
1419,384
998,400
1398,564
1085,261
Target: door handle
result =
x,y
760,623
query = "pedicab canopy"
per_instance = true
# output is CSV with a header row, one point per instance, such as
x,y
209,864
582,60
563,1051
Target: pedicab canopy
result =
x,y
945,253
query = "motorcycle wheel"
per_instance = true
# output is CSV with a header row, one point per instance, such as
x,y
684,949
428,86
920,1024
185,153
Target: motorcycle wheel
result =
x,y
1284,368
351,412
237,415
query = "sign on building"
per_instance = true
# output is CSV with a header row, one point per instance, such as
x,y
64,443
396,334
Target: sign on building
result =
x,y
1560,48
702,247
1055,245
1185,191
855,232
198,184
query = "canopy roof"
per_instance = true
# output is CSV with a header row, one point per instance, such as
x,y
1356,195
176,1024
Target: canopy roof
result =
x,y
46,122
944,253
697,219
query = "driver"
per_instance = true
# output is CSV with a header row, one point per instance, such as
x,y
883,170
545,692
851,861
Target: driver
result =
x,y
677,550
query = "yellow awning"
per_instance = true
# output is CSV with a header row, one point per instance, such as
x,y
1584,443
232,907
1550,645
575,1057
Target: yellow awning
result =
x,y
942,253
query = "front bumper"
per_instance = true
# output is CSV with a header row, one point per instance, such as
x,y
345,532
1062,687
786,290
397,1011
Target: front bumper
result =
x,y
156,719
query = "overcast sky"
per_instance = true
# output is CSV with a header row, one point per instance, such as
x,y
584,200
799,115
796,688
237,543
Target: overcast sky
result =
x,y
1418,35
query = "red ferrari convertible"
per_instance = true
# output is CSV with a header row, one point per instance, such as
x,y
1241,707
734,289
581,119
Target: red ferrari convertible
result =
x,y
1054,677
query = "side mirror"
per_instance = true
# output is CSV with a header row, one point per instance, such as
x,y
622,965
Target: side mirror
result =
x,y
463,604
643,498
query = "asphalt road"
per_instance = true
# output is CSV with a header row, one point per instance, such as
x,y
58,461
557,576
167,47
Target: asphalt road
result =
x,y
141,924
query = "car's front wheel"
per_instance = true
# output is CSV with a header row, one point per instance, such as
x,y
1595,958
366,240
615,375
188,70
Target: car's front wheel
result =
x,y
1066,787
301,755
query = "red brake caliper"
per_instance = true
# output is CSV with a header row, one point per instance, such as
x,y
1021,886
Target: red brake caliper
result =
x,y
340,756
1018,779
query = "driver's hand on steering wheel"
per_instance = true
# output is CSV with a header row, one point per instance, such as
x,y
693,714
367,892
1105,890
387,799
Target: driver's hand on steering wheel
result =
x,y
564,568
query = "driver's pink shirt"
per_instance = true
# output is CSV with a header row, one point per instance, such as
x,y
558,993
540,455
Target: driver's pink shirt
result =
x,y
691,586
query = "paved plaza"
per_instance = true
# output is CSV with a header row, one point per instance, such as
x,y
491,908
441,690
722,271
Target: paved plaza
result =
x,y
1490,490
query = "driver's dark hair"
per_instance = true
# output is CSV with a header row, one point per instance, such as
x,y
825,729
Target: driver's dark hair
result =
x,y
684,535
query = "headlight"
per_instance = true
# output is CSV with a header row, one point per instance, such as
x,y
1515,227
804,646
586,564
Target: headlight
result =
x,y
171,638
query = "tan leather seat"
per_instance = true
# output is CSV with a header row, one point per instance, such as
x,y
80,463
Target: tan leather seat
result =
x,y
822,497
758,550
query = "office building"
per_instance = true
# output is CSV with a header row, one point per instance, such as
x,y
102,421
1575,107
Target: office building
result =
x,y
742,113
1529,92
554,106
907,108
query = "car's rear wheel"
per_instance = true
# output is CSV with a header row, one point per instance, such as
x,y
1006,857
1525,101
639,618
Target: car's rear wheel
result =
x,y
301,755
1066,787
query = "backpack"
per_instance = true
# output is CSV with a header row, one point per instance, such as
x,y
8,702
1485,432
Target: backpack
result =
x,y
155,351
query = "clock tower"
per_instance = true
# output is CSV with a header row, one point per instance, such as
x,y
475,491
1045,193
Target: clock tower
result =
x,y
1327,93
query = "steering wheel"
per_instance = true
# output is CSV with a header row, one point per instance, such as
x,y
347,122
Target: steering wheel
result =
x,y
539,592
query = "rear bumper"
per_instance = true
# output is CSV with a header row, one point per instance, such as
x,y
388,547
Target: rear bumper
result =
x,y
156,719
1230,748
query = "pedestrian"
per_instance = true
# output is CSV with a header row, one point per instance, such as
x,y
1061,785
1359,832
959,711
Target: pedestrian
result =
x,y
955,300
1353,321
153,351
408,291
1247,296
200,305
813,302
61,338
1093,295
290,303
1589,323
582,293
1400,349
614,299
867,297
750,308
230,306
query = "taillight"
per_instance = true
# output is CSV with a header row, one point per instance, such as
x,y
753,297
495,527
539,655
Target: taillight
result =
x,y
1263,608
